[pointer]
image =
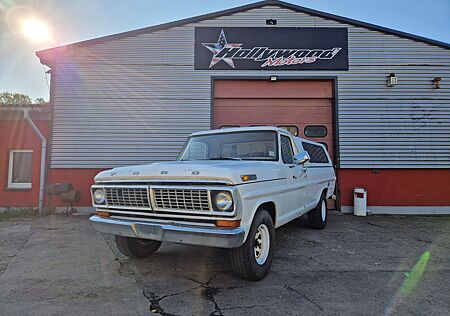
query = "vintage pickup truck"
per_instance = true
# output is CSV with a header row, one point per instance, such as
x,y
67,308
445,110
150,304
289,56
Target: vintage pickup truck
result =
x,y
228,188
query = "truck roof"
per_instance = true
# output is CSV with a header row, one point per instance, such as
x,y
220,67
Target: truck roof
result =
x,y
239,129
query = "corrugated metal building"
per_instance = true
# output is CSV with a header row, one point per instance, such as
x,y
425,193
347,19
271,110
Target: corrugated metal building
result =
x,y
132,98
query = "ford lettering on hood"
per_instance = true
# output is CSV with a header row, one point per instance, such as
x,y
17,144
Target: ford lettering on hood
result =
x,y
221,171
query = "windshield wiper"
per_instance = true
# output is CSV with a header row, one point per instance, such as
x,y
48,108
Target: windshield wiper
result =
x,y
224,158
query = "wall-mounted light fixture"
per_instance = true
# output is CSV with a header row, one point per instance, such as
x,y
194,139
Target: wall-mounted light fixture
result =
x,y
437,82
391,80
273,78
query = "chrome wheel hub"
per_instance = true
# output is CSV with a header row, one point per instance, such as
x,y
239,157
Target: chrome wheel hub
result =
x,y
324,211
262,244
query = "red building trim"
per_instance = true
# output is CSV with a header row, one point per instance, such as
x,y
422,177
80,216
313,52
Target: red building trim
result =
x,y
16,133
81,179
386,187
397,187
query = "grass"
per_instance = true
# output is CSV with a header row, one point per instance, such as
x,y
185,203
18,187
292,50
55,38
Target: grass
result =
x,y
18,213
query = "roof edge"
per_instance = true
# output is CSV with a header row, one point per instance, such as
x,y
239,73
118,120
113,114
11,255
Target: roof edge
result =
x,y
367,25
43,54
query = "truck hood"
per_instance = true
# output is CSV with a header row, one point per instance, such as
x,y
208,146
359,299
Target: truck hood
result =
x,y
225,171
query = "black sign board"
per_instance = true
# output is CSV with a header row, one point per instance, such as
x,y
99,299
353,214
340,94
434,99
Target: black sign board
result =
x,y
271,48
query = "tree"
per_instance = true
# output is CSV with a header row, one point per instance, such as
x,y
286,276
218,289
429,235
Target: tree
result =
x,y
18,99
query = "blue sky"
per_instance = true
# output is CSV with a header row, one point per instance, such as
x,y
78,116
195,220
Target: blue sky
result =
x,y
71,21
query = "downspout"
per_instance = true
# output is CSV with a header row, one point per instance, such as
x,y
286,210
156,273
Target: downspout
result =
x,y
26,115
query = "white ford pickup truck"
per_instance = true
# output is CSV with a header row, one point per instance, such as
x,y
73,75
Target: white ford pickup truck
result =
x,y
228,188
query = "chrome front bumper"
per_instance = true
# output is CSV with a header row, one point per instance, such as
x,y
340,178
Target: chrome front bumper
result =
x,y
193,235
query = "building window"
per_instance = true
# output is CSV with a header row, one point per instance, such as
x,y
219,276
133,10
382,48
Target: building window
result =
x,y
20,169
315,131
316,153
286,150
290,128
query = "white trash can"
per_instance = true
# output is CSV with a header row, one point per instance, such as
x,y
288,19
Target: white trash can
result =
x,y
360,202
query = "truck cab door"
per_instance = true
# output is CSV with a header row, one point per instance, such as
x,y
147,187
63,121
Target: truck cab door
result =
x,y
296,182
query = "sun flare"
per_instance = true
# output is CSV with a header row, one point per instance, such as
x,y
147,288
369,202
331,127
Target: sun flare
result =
x,y
36,30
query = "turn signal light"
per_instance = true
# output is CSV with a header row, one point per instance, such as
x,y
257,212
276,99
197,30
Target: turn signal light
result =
x,y
224,223
103,214
248,177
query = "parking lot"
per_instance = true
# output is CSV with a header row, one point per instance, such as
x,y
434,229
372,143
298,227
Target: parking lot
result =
x,y
373,266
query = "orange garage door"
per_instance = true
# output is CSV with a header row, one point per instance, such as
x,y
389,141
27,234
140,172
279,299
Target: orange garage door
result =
x,y
306,105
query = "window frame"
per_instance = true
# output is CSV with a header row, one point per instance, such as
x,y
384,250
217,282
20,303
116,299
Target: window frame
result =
x,y
281,149
11,184
276,138
316,125
328,159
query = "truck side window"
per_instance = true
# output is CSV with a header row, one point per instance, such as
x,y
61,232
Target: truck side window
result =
x,y
317,153
287,153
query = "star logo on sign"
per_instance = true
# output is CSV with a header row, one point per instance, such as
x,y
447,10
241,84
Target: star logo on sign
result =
x,y
216,48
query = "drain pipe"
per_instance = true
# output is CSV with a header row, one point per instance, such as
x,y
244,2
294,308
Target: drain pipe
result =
x,y
26,115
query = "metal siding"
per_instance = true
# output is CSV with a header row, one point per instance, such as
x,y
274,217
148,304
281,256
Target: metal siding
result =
x,y
134,100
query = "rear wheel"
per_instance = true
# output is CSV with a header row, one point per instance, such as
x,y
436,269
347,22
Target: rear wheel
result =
x,y
136,247
317,217
253,259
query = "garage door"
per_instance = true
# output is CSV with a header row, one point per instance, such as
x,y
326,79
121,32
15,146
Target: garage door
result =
x,y
303,107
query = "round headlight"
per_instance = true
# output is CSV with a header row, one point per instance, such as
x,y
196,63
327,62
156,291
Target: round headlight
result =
x,y
99,196
224,201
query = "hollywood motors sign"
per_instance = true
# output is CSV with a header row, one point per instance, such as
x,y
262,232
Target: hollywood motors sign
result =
x,y
269,48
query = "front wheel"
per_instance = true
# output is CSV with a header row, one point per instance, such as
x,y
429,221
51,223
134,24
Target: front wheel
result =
x,y
135,247
253,259
317,217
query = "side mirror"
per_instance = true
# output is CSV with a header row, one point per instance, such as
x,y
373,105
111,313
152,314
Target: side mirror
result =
x,y
302,158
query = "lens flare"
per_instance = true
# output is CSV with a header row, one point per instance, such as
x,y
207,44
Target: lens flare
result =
x,y
35,30
415,275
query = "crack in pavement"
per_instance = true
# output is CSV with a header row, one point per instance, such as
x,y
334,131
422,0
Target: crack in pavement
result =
x,y
2,271
153,299
155,307
289,288
310,241
123,269
373,224
208,293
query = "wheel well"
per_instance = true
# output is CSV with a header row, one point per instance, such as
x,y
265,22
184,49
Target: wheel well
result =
x,y
324,193
269,207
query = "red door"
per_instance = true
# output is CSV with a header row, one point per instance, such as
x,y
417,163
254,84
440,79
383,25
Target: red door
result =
x,y
304,104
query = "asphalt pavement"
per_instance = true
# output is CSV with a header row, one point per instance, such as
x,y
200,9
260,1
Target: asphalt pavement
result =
x,y
376,265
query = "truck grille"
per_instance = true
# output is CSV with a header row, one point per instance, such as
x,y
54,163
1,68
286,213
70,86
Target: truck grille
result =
x,y
126,197
181,199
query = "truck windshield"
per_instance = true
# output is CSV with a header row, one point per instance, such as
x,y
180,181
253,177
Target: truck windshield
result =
x,y
253,145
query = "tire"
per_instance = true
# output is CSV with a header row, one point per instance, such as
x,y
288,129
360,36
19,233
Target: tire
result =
x,y
317,217
137,248
252,260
